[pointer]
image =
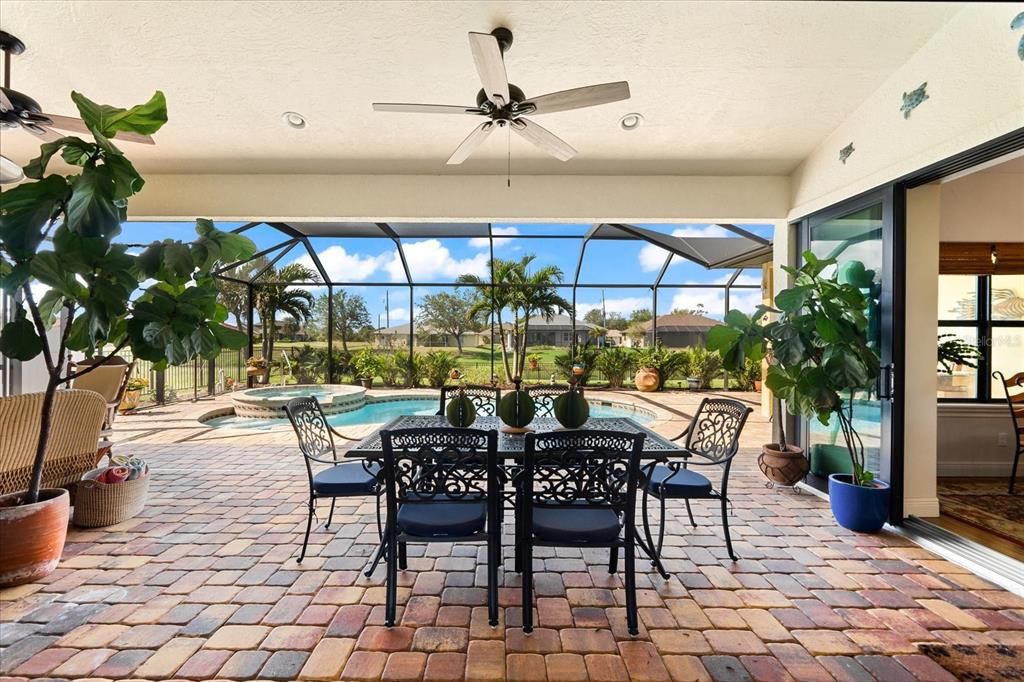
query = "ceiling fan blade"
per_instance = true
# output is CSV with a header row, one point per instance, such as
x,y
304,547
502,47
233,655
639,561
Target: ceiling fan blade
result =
x,y
469,145
77,125
5,101
425,108
578,98
491,66
544,138
44,134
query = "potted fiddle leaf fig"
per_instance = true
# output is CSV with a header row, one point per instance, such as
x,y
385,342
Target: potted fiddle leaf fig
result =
x,y
59,257
819,357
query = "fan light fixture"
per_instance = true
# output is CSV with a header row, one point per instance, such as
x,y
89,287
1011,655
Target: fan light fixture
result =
x,y
294,119
631,121
10,172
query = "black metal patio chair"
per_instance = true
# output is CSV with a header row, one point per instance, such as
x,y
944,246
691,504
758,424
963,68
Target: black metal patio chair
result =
x,y
441,485
578,489
340,479
1015,402
484,398
544,398
713,436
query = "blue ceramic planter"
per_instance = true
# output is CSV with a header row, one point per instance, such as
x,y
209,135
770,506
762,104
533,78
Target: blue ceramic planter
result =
x,y
861,509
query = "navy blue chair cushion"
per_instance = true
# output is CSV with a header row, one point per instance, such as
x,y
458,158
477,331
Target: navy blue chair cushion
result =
x,y
346,479
683,483
569,524
442,519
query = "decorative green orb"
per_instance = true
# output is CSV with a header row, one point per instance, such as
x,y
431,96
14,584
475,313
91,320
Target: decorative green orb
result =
x,y
571,409
460,411
517,408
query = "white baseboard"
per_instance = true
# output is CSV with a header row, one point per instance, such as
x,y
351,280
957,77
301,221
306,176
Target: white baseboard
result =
x,y
983,469
926,507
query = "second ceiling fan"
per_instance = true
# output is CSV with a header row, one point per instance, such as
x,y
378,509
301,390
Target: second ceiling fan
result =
x,y
505,105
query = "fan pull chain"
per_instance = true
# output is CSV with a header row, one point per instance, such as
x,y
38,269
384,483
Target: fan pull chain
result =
x,y
508,175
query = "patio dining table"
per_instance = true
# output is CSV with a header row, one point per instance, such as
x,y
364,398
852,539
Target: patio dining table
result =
x,y
511,446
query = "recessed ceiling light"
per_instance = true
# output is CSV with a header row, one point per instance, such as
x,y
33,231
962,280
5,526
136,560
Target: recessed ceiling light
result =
x,y
631,121
294,119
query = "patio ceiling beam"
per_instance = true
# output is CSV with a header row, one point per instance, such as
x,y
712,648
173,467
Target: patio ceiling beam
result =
x,y
253,257
274,260
736,229
393,236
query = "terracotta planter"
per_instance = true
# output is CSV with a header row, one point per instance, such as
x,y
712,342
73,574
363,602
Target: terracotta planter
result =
x,y
647,379
757,385
782,467
129,401
33,535
254,371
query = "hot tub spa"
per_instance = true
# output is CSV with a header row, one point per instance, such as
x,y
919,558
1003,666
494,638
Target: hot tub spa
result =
x,y
268,402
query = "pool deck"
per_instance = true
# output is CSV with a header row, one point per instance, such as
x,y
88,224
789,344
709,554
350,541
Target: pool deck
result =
x,y
203,584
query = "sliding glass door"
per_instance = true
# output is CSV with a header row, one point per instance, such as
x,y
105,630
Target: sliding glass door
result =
x,y
860,236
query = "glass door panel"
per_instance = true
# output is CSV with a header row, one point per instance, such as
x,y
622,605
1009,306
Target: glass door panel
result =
x,y
859,239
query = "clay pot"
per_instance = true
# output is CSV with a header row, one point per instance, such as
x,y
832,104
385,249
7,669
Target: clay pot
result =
x,y
33,535
647,379
129,401
782,467
757,385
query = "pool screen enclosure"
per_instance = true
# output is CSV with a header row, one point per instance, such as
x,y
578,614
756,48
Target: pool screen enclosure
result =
x,y
742,250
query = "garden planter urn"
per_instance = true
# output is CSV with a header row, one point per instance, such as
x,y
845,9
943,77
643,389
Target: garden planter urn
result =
x,y
129,401
366,383
647,379
782,467
860,508
33,535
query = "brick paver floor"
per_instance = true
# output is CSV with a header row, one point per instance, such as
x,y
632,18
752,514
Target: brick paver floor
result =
x,y
204,585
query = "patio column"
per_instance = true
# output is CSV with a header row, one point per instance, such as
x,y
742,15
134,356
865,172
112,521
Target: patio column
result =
x,y
412,334
248,329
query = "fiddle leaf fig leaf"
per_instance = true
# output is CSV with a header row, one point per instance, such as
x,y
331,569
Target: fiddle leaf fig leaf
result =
x,y
91,211
26,210
792,300
107,120
19,340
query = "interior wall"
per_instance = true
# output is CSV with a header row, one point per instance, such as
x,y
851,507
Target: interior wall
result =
x,y
475,198
984,207
976,93
920,441
987,206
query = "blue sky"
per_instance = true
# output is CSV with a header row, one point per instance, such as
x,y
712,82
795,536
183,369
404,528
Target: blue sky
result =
x,y
442,260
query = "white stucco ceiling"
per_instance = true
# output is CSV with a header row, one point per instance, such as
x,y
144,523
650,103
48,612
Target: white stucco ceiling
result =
x,y
726,88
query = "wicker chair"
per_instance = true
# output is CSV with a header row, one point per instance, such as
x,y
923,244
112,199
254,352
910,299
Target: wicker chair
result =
x,y
109,380
74,432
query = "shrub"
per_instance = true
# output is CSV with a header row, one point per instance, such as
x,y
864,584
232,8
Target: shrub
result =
x,y
342,361
616,363
705,365
668,363
586,356
392,373
367,364
746,377
437,365
410,372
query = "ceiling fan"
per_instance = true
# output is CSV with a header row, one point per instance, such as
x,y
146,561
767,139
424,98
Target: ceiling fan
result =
x,y
503,104
18,110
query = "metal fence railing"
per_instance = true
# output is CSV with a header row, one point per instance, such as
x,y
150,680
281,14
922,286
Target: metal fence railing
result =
x,y
190,381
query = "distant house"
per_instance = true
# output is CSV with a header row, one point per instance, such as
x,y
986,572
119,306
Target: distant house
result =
x,y
679,331
398,337
556,332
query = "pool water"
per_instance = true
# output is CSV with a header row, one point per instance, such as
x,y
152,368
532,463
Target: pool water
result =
x,y
382,412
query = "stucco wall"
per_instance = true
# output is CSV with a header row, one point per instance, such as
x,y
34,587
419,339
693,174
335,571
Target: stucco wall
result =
x,y
984,207
976,93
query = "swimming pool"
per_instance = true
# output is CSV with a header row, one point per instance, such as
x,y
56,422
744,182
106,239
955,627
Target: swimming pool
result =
x,y
380,412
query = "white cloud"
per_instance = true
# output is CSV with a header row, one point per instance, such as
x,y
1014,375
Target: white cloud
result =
x,y
430,260
653,257
397,316
342,266
713,300
484,242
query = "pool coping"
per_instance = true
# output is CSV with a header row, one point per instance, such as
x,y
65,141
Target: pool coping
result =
x,y
657,415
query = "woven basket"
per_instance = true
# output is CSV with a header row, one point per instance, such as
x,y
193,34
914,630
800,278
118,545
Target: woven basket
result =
x,y
105,504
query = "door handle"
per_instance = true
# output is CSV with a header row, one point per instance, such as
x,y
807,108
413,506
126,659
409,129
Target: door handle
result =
x,y
887,382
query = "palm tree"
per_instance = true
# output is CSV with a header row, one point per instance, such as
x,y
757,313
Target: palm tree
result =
x,y
525,294
270,299
234,295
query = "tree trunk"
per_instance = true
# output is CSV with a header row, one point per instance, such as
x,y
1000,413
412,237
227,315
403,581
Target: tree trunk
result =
x,y
522,357
458,342
344,337
45,419
504,347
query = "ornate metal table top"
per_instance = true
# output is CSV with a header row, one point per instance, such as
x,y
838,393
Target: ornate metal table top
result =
x,y
511,446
